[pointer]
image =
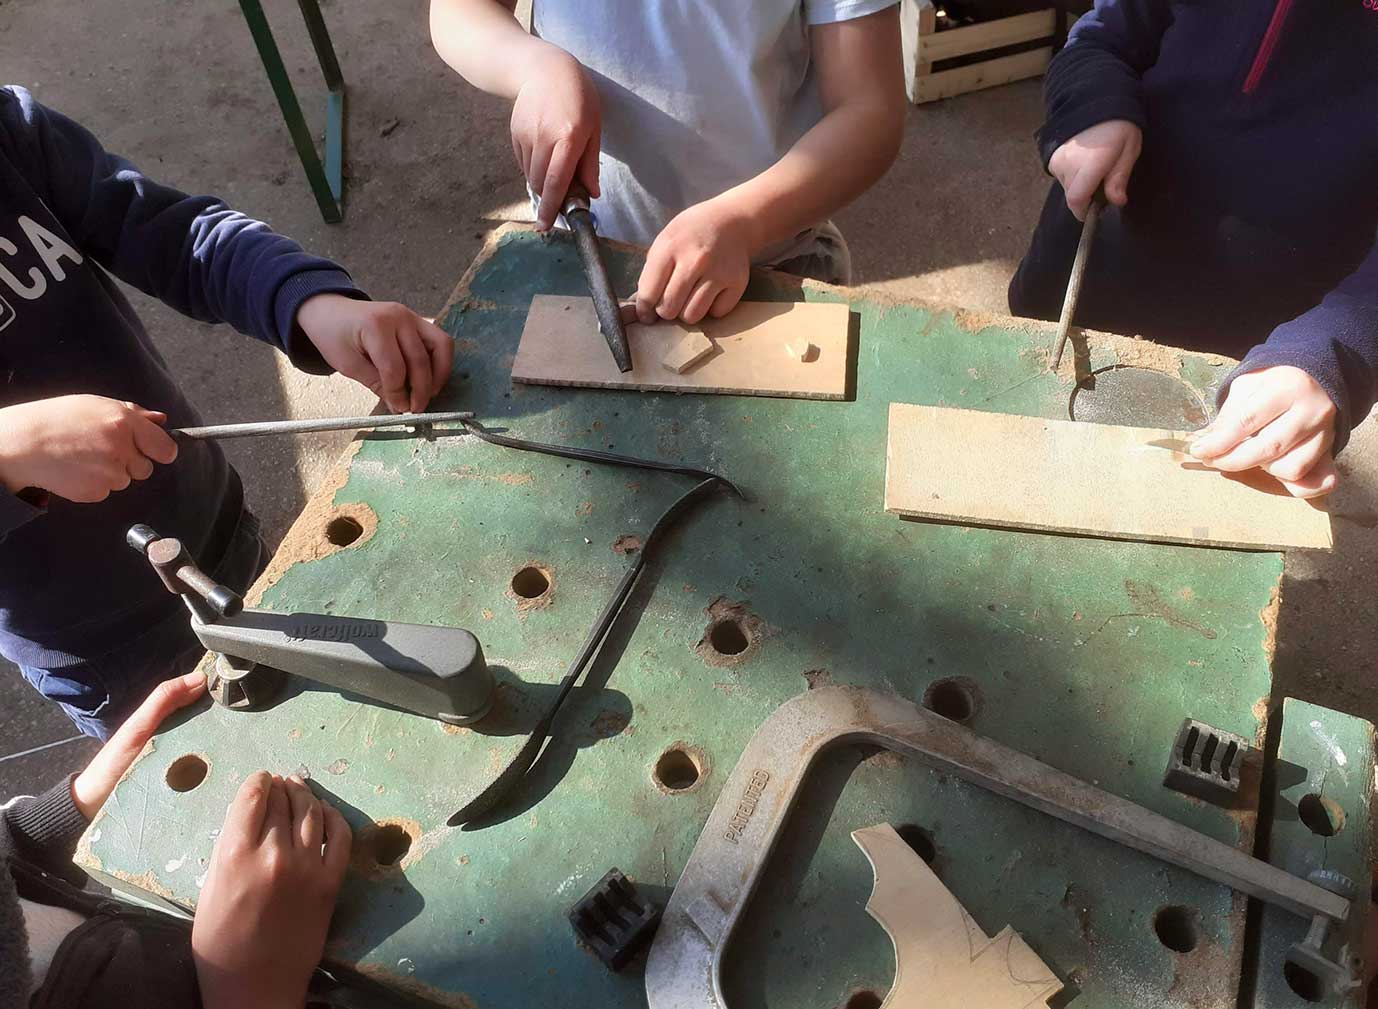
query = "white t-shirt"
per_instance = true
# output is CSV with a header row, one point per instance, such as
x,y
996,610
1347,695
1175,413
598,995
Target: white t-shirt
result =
x,y
698,95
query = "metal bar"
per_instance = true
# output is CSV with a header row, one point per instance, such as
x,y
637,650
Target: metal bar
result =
x,y
281,83
1069,303
270,427
334,142
320,40
684,968
600,287
335,101
579,217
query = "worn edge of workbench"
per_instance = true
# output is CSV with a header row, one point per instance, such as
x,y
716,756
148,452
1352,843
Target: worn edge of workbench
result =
x,y
1128,350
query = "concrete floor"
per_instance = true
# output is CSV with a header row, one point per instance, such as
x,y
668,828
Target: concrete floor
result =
x,y
177,87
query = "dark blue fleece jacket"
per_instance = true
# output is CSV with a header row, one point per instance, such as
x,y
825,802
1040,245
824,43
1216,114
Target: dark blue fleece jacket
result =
x,y
72,216
1252,224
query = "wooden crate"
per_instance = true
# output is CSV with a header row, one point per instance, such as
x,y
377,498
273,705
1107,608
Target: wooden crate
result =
x,y
924,46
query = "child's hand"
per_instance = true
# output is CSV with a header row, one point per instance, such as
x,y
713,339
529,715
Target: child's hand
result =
x,y
93,786
557,122
1103,155
1278,419
698,266
385,347
260,925
81,447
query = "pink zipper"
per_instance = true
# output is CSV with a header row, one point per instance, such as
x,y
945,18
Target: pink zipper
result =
x,y
1266,48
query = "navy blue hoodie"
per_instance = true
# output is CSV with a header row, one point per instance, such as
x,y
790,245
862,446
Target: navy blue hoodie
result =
x,y
72,216
1252,224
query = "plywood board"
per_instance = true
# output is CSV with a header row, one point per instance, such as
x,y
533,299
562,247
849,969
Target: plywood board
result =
x,y
943,958
561,345
1092,479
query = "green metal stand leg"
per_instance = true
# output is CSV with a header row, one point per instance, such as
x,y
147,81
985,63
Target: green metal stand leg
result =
x,y
327,180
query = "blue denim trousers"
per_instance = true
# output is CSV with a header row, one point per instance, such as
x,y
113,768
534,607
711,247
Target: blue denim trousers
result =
x,y
100,693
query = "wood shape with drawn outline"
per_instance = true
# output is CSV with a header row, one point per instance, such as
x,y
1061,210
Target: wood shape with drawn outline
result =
x,y
943,959
1131,483
561,345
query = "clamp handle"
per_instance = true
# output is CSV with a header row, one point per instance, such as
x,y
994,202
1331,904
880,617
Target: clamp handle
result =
x,y
437,672
180,574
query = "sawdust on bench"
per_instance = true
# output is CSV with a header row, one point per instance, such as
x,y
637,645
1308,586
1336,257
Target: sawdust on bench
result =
x,y
306,540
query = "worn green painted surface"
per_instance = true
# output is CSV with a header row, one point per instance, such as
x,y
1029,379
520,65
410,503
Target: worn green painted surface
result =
x,y
1084,653
1322,819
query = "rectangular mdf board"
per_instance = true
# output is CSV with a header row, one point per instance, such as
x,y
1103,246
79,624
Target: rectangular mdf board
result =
x,y
1091,479
561,345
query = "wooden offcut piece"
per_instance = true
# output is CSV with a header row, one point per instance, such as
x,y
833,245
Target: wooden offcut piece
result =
x,y
561,345
1090,479
943,959
688,352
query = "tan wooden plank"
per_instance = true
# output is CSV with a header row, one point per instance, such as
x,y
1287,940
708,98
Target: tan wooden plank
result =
x,y
943,958
987,74
561,345
1089,479
994,34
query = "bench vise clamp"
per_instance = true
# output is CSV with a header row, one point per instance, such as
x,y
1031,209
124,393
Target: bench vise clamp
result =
x,y
436,672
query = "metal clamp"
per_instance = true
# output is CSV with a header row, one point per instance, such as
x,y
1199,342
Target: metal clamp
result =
x,y
437,672
684,967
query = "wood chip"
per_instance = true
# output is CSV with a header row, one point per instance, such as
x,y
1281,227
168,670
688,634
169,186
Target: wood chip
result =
x,y
688,352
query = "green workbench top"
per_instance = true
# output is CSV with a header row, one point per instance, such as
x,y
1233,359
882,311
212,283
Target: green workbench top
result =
x,y
1084,653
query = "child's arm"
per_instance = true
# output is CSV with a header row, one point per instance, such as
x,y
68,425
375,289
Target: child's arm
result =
x,y
210,262
1093,97
79,447
45,830
1290,405
699,264
556,116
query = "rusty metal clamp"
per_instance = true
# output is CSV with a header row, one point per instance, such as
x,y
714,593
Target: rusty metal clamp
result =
x,y
684,967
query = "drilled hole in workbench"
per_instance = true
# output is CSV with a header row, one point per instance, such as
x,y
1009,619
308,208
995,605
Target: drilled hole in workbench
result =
x,y
343,530
1177,928
919,840
678,769
864,998
530,583
388,844
953,698
185,773
727,637
1306,985
1322,816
